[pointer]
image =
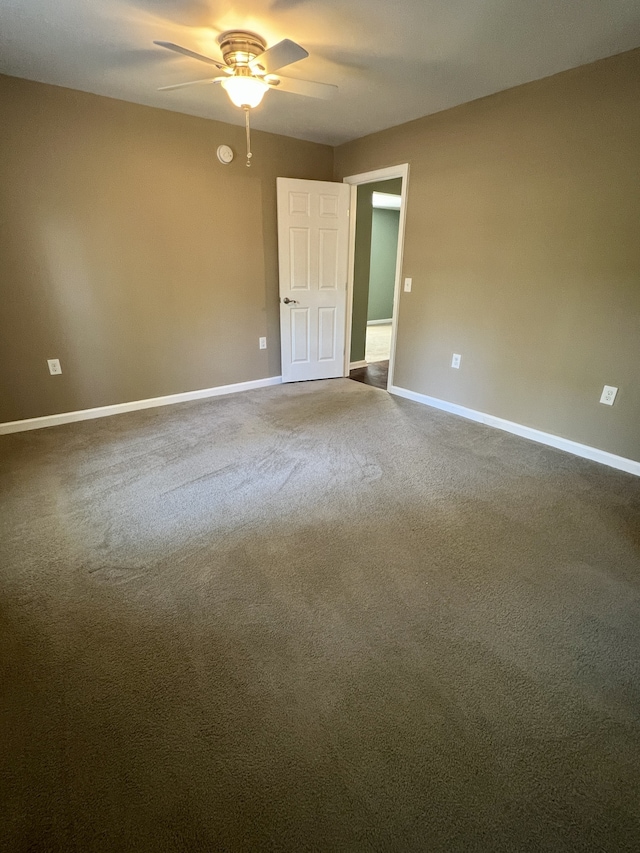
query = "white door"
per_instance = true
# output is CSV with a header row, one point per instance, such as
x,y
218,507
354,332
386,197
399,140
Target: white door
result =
x,y
313,250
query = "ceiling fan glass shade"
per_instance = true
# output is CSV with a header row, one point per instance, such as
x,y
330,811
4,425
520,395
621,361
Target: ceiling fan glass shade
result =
x,y
245,91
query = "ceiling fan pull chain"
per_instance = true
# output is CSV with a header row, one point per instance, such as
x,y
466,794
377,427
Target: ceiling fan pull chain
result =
x,y
246,123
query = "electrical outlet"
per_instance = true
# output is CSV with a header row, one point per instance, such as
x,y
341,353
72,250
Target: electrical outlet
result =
x,y
407,285
54,366
608,395
455,361
263,343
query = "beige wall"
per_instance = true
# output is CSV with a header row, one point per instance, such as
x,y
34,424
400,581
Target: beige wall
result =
x,y
130,253
523,241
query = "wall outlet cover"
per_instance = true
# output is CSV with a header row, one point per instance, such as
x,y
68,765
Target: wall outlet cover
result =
x,y
455,361
54,366
608,395
262,343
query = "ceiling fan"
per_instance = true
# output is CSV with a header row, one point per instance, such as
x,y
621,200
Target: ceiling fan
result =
x,y
249,68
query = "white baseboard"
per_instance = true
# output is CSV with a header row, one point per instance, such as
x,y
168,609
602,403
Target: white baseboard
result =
x,y
354,365
583,450
134,405
379,322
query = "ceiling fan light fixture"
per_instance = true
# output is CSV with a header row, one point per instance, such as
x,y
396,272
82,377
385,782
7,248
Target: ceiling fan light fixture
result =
x,y
251,66
245,91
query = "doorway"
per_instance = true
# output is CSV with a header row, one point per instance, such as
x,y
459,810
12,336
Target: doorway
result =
x,y
375,264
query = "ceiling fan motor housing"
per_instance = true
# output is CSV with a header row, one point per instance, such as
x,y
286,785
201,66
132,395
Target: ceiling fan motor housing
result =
x,y
239,47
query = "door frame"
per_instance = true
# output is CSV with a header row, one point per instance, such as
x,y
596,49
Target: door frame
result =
x,y
399,171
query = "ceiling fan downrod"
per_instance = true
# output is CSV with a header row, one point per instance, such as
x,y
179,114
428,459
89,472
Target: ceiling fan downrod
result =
x,y
248,130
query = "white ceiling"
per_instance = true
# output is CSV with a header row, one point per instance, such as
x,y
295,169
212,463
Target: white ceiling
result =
x,y
391,62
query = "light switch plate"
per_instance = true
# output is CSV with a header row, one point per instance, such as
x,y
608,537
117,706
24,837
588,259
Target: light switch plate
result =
x,y
407,285
455,361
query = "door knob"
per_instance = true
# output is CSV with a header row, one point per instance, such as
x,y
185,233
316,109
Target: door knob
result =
x,y
286,300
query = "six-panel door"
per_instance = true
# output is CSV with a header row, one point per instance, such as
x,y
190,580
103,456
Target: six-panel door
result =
x,y
313,238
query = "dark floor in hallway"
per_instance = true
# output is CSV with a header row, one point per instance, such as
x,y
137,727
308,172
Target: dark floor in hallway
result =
x,y
376,374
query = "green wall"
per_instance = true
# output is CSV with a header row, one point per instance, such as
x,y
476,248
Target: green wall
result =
x,y
362,261
384,251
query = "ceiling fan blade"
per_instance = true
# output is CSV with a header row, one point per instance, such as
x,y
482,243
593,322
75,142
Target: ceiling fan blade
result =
x,y
303,87
192,83
281,54
186,52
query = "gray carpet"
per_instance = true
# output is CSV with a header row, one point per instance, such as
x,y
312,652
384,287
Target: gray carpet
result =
x,y
315,618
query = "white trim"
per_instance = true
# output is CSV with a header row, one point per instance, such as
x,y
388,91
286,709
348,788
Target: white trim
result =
x,y
380,322
399,171
135,405
353,203
583,450
354,365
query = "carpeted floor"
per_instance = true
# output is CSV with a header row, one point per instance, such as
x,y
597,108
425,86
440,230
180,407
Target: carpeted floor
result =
x,y
315,618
